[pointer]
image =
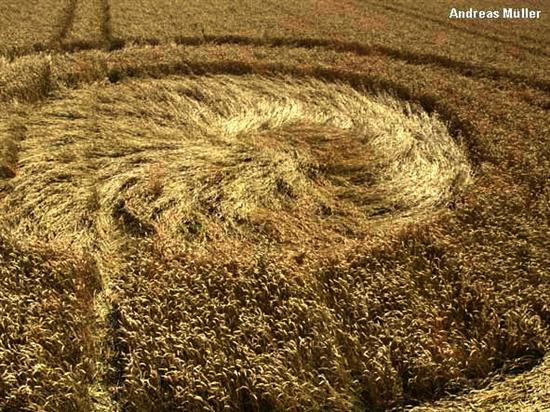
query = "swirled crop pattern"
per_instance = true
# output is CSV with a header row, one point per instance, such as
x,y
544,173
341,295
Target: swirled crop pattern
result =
x,y
206,158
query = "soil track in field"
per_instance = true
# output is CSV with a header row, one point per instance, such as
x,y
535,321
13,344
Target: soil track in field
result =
x,y
65,24
106,26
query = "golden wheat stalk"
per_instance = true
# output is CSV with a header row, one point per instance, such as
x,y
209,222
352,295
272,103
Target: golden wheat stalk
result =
x,y
205,158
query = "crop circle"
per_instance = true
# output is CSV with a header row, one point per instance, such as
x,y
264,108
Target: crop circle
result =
x,y
210,158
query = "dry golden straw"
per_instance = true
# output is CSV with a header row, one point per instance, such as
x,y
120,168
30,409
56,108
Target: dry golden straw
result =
x,y
200,159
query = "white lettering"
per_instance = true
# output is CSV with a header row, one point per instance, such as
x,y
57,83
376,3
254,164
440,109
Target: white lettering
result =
x,y
505,13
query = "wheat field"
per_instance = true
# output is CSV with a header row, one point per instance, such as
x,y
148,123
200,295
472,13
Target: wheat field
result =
x,y
273,206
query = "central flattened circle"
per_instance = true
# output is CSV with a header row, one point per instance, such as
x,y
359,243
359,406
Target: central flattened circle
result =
x,y
219,158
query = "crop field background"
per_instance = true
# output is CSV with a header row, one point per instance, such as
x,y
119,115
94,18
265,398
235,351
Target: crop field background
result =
x,y
273,206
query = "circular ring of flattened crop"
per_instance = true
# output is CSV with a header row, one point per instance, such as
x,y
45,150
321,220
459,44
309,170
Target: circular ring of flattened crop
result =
x,y
210,158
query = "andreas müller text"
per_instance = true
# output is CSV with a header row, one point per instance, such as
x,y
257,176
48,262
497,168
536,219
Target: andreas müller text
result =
x,y
504,13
